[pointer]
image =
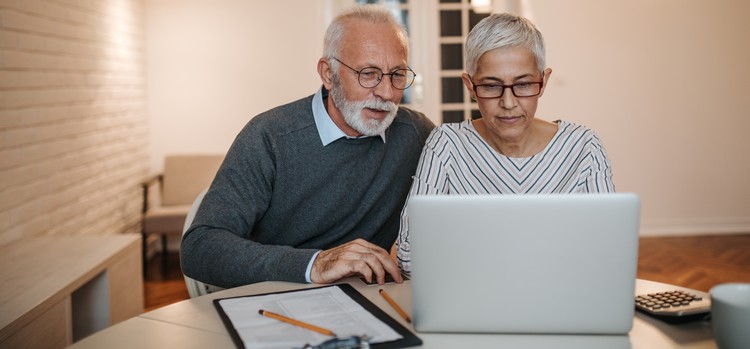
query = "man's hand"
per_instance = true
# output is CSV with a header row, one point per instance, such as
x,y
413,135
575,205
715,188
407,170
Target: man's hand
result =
x,y
352,258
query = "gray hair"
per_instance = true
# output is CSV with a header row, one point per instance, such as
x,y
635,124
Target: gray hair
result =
x,y
499,31
368,13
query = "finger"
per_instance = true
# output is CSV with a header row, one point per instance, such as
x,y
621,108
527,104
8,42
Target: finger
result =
x,y
368,265
392,268
366,272
385,261
387,264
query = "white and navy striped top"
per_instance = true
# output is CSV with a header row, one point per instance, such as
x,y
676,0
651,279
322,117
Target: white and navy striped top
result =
x,y
456,160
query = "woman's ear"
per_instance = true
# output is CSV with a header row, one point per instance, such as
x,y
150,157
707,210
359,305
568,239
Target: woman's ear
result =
x,y
326,73
469,85
545,77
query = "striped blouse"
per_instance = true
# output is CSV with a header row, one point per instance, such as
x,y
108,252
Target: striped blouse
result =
x,y
456,160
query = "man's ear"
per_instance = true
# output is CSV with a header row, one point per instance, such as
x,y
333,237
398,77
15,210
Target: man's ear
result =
x,y
326,73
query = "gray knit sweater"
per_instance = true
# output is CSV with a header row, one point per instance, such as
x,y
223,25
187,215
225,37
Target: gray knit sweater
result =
x,y
280,196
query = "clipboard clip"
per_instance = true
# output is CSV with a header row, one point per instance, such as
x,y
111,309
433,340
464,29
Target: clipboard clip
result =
x,y
353,342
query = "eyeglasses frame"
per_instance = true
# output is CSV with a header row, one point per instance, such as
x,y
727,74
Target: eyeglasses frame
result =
x,y
540,83
390,75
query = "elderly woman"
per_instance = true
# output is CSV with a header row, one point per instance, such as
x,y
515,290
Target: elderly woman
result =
x,y
508,150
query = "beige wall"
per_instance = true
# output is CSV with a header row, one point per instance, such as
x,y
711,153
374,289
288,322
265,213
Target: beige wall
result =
x,y
73,123
213,65
665,85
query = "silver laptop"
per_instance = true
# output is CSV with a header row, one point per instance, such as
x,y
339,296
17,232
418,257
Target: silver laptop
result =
x,y
560,263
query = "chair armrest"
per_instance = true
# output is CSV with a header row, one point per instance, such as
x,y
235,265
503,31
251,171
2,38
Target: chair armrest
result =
x,y
147,184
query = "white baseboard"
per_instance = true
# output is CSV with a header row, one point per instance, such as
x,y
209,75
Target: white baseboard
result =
x,y
695,229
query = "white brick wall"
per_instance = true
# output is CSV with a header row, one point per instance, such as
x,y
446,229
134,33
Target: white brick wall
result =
x,y
73,123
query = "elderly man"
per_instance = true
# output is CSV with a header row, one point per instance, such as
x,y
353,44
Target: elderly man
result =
x,y
311,191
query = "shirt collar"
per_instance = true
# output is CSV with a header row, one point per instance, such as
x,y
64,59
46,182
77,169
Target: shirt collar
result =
x,y
327,130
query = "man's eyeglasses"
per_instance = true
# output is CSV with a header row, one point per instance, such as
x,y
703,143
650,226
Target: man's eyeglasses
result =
x,y
521,89
371,76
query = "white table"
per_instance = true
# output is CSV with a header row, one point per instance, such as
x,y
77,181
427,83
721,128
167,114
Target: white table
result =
x,y
195,323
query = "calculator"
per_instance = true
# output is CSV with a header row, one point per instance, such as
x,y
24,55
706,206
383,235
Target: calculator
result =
x,y
675,305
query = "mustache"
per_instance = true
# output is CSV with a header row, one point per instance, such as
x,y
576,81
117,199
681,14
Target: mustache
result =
x,y
380,104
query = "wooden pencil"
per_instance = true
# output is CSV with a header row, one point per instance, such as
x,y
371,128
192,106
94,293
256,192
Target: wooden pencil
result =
x,y
296,322
395,306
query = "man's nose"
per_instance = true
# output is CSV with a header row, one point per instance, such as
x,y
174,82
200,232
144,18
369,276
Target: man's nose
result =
x,y
385,89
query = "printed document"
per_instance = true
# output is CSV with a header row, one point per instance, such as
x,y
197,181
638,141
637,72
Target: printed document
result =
x,y
326,307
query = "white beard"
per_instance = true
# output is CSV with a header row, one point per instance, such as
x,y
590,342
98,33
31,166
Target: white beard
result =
x,y
352,111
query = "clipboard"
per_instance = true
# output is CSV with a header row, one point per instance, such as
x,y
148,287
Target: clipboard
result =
x,y
408,339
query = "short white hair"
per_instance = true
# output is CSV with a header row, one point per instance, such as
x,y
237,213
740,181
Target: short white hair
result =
x,y
500,31
368,13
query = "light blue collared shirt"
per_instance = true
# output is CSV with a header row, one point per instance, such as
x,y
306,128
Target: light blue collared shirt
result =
x,y
328,132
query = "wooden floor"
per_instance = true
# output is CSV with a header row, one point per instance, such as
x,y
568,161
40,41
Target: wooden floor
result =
x,y
697,262
159,289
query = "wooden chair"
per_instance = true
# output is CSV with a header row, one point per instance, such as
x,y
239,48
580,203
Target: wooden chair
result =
x,y
165,210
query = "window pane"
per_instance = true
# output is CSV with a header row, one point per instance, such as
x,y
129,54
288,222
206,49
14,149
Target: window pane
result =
x,y
405,19
475,114
450,23
453,116
453,90
448,1
474,18
406,99
451,56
